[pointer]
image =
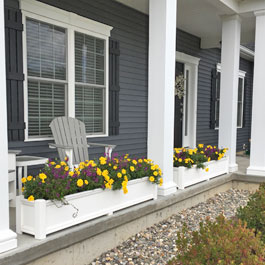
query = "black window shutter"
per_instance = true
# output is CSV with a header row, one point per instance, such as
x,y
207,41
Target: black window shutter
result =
x,y
14,72
245,103
114,87
213,98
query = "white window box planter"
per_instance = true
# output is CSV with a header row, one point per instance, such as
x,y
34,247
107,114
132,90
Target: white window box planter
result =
x,y
185,177
42,217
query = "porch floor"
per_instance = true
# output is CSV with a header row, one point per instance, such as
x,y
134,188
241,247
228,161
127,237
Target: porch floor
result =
x,y
30,249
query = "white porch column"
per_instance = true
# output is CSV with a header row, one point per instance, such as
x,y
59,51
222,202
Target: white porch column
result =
x,y
231,31
7,237
162,52
257,151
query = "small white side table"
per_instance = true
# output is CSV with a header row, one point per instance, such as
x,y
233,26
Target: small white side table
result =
x,y
26,161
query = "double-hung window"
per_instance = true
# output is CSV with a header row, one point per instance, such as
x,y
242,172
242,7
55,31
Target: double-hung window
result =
x,y
240,100
66,69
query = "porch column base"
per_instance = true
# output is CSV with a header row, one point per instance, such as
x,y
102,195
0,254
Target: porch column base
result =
x,y
256,171
167,189
8,240
233,168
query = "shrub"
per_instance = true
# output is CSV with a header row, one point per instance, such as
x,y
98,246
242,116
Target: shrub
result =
x,y
57,180
184,157
254,212
219,242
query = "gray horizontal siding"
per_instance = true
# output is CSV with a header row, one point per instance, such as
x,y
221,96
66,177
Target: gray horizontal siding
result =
x,y
131,29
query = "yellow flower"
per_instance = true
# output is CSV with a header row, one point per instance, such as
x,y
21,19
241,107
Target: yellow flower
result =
x,y
124,183
152,179
71,173
31,198
153,168
132,168
134,162
23,180
42,176
103,160
209,159
29,178
125,178
125,190
123,171
99,172
80,182
119,175
86,181
155,173
105,173
160,182
65,158
57,166
200,145
111,181
180,160
207,169
140,160
63,163
52,163
23,188
115,167
66,168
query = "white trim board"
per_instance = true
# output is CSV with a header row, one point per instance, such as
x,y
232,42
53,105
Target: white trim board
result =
x,y
65,17
69,21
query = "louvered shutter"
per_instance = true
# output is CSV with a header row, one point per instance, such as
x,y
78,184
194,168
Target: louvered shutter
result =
x,y
114,87
213,98
14,72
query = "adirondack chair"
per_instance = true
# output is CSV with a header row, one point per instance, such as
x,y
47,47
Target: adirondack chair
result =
x,y
70,140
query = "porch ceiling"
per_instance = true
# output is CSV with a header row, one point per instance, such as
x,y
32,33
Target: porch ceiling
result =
x,y
202,18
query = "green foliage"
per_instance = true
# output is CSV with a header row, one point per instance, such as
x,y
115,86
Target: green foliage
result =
x,y
254,212
222,242
57,180
184,157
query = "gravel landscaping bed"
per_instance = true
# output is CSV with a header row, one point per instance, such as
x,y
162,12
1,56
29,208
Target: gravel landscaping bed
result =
x,y
156,245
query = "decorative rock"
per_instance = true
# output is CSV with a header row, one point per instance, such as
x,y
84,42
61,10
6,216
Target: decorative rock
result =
x,y
157,244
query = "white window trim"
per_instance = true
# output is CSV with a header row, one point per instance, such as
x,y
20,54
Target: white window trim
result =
x,y
71,22
242,75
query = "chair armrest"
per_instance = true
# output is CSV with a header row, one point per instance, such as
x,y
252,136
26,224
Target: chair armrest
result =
x,y
51,145
101,145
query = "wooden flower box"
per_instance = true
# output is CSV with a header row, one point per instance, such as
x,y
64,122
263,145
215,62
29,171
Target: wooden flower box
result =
x,y
43,217
185,177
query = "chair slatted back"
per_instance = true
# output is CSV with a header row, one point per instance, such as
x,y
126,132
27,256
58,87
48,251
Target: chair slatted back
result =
x,y
69,131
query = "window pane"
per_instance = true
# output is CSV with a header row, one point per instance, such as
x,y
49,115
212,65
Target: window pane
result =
x,y
240,89
46,49
46,100
89,59
89,108
217,111
239,114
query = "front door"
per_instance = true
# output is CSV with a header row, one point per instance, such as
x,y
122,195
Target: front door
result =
x,y
178,111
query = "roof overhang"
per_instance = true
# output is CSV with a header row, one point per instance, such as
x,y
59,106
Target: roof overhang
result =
x,y
202,18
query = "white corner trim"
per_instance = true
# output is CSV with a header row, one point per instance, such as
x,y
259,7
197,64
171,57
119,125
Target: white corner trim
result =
x,y
54,13
241,73
185,58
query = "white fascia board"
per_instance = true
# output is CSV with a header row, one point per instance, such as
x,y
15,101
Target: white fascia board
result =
x,y
247,53
54,13
251,6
